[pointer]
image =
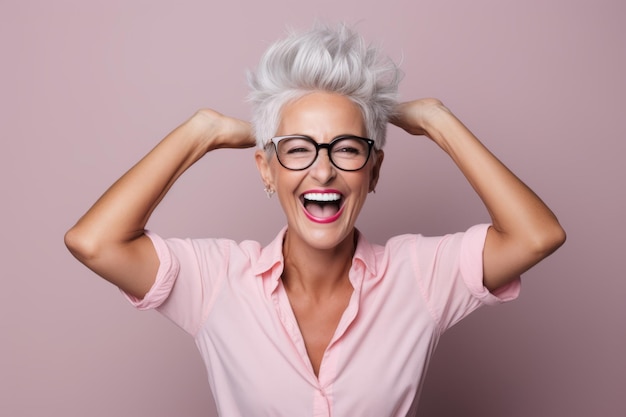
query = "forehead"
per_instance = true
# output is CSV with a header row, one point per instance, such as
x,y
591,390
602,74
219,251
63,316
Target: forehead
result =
x,y
322,116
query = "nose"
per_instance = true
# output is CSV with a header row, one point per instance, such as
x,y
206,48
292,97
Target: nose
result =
x,y
322,169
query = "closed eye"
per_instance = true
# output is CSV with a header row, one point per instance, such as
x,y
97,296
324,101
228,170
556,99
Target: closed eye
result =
x,y
298,150
348,150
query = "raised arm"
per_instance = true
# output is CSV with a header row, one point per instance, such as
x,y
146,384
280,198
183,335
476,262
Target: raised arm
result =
x,y
109,238
524,230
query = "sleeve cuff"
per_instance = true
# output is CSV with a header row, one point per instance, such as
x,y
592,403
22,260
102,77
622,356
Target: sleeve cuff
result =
x,y
165,278
472,261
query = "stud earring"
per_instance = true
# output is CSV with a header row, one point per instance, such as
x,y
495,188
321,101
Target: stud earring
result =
x,y
269,191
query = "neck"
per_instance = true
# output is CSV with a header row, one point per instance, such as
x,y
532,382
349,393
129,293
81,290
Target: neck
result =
x,y
317,272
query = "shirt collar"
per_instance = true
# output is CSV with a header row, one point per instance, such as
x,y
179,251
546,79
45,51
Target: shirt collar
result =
x,y
271,258
271,255
365,253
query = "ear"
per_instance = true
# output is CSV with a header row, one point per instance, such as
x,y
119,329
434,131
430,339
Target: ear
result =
x,y
375,173
263,165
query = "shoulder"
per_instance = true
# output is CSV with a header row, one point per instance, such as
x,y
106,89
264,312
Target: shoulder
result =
x,y
202,250
418,248
474,236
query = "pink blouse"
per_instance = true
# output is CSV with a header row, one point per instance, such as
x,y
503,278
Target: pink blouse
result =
x,y
230,298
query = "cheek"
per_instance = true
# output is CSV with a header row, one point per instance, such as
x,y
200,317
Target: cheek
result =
x,y
285,182
274,170
361,185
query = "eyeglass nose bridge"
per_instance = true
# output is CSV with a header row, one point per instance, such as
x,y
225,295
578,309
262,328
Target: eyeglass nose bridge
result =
x,y
328,147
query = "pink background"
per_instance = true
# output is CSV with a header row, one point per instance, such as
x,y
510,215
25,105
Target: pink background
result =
x,y
86,88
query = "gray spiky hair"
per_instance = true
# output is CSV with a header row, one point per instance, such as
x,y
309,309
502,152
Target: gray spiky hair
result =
x,y
332,59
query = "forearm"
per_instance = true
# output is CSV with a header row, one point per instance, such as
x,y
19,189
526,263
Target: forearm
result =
x,y
514,208
122,212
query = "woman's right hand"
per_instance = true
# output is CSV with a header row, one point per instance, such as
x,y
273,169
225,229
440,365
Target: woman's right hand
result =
x,y
109,239
217,131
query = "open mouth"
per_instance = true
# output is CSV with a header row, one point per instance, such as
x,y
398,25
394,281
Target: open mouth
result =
x,y
322,207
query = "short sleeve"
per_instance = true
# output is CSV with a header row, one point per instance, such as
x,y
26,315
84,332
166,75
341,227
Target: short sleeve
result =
x,y
450,272
471,267
189,274
164,281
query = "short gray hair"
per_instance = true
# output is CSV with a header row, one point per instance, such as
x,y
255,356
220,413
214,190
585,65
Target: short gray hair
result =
x,y
330,59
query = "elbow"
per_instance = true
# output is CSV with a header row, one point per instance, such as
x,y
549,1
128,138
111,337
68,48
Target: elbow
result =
x,y
549,239
80,244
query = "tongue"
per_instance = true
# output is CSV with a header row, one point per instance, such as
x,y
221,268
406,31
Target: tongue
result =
x,y
321,210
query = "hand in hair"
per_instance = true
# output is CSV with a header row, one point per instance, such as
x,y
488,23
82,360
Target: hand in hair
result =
x,y
415,116
219,131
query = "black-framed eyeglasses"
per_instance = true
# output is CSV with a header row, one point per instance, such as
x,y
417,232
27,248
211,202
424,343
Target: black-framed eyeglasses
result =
x,y
298,152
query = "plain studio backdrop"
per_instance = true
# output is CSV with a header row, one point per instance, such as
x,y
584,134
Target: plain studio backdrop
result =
x,y
88,87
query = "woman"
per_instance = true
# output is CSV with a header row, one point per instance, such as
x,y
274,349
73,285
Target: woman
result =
x,y
320,321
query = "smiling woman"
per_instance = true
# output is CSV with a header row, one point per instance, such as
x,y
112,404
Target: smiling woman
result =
x,y
319,322
328,117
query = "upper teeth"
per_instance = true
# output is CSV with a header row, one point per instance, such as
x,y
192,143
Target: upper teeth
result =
x,y
322,196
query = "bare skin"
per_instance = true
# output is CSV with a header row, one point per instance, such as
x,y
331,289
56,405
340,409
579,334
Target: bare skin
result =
x,y
319,291
110,238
